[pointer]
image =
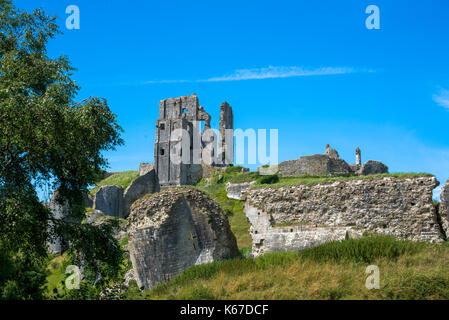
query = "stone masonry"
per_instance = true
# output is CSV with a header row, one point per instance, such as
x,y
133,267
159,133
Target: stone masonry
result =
x,y
109,199
327,164
444,207
185,113
226,152
299,216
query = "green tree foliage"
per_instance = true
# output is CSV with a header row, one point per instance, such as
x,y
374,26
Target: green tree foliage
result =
x,y
46,139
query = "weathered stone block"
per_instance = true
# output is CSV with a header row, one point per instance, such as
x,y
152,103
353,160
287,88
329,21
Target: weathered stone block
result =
x,y
173,230
299,216
145,184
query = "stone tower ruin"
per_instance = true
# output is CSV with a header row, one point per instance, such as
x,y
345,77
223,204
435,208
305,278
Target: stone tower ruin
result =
x,y
226,153
186,113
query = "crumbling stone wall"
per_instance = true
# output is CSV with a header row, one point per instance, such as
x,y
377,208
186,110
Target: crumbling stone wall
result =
x,y
328,164
315,165
145,168
226,155
143,185
115,202
109,199
299,216
173,230
444,207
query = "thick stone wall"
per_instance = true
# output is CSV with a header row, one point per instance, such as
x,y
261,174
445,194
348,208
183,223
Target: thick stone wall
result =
x,y
300,216
109,199
143,185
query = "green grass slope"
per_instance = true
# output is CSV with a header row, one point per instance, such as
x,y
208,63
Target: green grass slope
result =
x,y
334,270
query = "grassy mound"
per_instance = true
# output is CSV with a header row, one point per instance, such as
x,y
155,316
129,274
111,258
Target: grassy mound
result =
x,y
408,270
121,179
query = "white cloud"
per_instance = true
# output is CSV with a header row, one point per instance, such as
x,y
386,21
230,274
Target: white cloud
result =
x,y
269,73
442,98
278,72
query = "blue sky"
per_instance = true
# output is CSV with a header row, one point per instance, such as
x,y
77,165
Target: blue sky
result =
x,y
386,91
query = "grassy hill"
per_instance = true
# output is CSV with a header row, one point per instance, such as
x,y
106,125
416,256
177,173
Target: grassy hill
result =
x,y
336,270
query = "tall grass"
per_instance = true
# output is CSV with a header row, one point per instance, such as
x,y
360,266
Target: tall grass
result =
x,y
336,270
364,250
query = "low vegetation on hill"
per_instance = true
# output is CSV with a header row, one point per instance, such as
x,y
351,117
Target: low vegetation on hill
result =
x,y
307,180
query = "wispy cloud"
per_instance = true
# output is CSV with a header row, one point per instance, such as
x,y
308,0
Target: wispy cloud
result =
x,y
269,73
442,98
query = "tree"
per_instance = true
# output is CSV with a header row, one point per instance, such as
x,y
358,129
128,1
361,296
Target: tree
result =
x,y
46,139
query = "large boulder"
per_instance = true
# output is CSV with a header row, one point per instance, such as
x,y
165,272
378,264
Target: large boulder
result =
x,y
139,187
109,199
173,230
373,167
314,165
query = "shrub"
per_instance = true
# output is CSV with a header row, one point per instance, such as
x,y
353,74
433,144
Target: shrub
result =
x,y
268,179
364,250
233,169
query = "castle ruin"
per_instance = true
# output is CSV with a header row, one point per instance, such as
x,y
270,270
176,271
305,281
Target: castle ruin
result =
x,y
172,166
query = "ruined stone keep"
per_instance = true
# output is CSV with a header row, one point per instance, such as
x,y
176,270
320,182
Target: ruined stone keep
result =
x,y
186,113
